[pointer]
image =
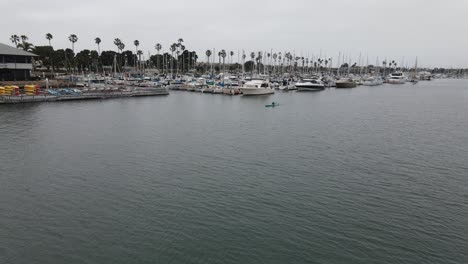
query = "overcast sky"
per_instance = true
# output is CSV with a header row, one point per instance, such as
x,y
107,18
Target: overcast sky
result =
x,y
433,30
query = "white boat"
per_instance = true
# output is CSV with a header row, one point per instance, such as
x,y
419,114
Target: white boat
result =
x,y
218,90
257,87
372,81
208,89
396,78
231,90
425,76
310,85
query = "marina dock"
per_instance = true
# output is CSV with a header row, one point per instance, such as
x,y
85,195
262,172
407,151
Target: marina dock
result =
x,y
83,96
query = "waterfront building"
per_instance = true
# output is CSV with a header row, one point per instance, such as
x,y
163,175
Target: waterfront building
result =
x,y
15,64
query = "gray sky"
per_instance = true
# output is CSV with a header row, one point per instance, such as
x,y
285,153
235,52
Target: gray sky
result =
x,y
433,30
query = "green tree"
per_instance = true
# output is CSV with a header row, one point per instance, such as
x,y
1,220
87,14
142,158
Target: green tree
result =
x,y
83,59
58,59
44,55
129,57
107,57
94,55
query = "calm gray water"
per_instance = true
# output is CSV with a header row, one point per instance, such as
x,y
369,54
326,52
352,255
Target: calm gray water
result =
x,y
367,175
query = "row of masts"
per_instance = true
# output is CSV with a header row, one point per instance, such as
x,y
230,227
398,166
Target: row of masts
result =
x,y
267,64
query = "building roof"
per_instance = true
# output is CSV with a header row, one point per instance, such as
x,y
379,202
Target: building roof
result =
x,y
9,50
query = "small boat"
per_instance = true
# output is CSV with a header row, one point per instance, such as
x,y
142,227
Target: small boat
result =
x,y
396,78
257,87
231,91
273,104
425,76
218,90
311,85
372,81
208,89
345,83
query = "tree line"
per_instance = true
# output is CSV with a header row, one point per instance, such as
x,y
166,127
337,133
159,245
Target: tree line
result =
x,y
177,59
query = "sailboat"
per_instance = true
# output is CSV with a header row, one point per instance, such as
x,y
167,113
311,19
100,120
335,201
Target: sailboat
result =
x,y
414,78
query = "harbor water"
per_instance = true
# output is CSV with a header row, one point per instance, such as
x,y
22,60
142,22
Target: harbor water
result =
x,y
363,175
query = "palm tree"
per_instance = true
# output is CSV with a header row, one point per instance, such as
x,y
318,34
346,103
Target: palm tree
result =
x,y
252,55
49,37
158,47
268,61
219,58
231,54
26,46
121,47
24,38
259,60
182,48
223,55
98,41
177,58
274,56
139,53
117,42
136,43
208,55
15,39
73,39
173,49
243,62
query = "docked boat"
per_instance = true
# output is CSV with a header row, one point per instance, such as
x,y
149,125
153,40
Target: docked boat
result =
x,y
396,78
208,89
257,87
345,83
231,91
425,76
372,81
311,85
218,90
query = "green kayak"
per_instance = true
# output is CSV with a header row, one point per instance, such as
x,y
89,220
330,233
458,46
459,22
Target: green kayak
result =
x,y
272,105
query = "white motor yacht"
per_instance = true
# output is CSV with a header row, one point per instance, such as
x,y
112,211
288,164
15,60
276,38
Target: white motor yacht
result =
x,y
257,87
396,78
310,85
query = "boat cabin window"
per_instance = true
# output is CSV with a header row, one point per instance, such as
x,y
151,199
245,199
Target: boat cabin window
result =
x,y
264,85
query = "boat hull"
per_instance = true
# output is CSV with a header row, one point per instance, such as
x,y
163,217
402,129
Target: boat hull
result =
x,y
345,84
310,88
396,81
372,83
231,91
256,91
